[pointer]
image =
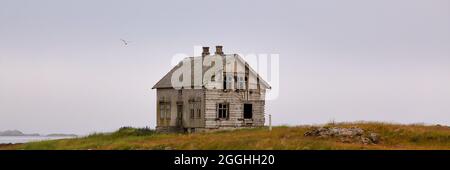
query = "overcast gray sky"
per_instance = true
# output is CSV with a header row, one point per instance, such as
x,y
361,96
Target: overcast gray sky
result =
x,y
64,69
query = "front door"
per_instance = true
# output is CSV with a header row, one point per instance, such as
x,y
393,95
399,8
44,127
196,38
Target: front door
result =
x,y
180,115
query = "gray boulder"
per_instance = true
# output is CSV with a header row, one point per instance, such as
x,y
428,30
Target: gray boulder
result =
x,y
346,135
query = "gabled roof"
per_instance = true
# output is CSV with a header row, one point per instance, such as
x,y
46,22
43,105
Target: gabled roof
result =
x,y
166,81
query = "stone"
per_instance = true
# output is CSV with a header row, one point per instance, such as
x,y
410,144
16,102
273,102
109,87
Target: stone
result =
x,y
345,135
365,140
374,137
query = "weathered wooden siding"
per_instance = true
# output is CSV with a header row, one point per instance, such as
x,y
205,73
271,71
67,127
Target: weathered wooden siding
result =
x,y
174,97
236,101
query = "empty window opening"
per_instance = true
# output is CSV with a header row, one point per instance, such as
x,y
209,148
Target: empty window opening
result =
x,y
192,113
179,114
213,78
248,111
199,113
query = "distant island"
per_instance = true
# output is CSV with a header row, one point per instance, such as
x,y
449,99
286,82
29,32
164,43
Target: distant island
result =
x,y
61,134
19,133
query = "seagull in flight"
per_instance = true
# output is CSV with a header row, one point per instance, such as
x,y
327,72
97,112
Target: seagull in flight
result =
x,y
124,42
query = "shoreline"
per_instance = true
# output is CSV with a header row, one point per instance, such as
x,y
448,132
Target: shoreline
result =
x,y
9,144
13,140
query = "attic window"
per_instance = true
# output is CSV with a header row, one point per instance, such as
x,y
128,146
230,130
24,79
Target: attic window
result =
x,y
213,78
228,83
240,82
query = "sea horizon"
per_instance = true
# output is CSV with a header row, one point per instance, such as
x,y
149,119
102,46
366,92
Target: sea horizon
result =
x,y
26,139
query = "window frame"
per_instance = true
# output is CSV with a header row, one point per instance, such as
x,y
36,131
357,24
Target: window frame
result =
x,y
223,111
164,110
229,81
168,111
213,78
241,82
192,110
199,112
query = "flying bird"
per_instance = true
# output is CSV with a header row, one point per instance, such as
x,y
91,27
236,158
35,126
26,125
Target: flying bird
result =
x,y
124,42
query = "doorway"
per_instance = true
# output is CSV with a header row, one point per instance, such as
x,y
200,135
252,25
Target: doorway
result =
x,y
180,115
248,111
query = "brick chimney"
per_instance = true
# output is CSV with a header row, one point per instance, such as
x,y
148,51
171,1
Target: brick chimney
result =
x,y
219,50
205,51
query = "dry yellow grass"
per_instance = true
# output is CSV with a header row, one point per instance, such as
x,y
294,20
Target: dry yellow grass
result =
x,y
393,136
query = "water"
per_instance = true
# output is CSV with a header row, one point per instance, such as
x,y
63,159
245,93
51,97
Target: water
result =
x,y
24,139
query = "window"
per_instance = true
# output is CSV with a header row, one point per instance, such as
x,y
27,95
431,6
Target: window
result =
x,y
168,111
192,113
164,110
213,78
179,119
199,112
241,82
222,111
228,83
195,109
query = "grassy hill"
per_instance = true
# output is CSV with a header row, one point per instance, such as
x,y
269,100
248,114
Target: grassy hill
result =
x,y
392,136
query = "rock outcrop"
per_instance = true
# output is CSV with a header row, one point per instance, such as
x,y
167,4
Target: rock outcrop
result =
x,y
345,135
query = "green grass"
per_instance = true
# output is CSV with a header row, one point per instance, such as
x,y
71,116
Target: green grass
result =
x,y
393,136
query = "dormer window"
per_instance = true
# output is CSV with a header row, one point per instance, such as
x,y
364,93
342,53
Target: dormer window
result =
x,y
229,81
213,78
241,82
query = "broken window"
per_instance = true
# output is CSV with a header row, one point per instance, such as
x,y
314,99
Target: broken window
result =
x,y
228,83
199,112
164,110
179,119
241,82
192,109
213,78
195,109
222,110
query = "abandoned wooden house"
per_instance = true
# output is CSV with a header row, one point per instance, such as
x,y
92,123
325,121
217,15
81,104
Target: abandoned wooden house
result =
x,y
227,94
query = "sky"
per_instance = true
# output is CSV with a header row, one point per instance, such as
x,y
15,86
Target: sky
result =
x,y
64,69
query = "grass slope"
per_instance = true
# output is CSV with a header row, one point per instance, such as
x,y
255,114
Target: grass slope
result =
x,y
393,136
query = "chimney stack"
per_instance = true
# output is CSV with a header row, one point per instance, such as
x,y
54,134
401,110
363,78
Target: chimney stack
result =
x,y
219,50
205,51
